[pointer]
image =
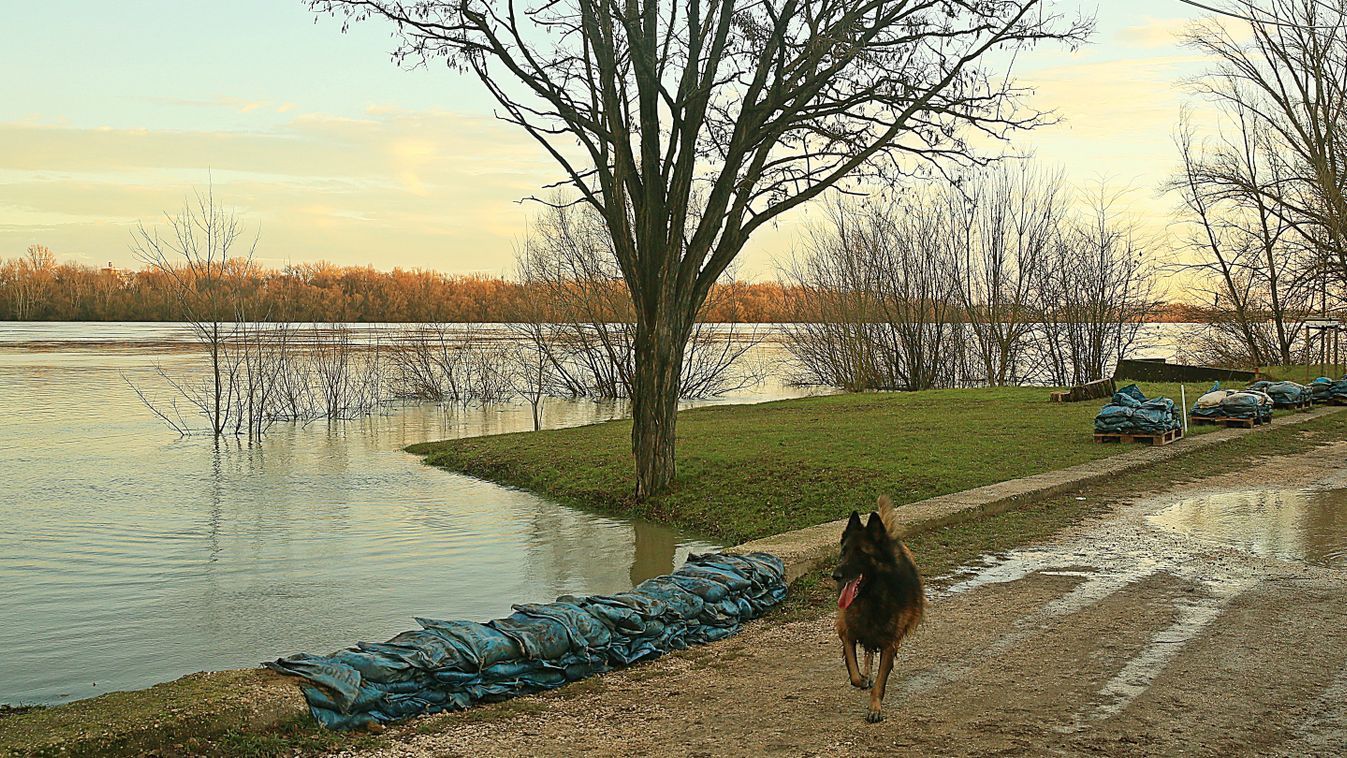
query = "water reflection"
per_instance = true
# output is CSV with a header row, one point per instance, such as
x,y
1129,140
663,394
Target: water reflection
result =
x,y
1304,525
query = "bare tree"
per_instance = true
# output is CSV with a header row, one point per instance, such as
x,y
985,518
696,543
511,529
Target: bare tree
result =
x,y
1004,222
200,256
580,314
755,106
1246,256
1093,292
1287,89
874,299
29,280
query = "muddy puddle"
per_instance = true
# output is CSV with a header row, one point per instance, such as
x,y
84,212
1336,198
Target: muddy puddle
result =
x,y
1307,525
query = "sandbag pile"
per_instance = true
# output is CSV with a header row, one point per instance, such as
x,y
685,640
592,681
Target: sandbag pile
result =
x,y
1283,394
1338,391
1247,404
1321,389
450,665
1130,412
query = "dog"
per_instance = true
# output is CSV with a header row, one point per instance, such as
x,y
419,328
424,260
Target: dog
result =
x,y
880,598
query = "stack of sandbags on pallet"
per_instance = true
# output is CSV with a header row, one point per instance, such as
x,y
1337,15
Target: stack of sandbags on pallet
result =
x,y
1321,389
1130,412
1283,394
1244,404
1338,392
1248,404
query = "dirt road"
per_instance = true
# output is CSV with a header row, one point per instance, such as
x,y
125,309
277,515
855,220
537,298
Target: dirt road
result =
x,y
1117,637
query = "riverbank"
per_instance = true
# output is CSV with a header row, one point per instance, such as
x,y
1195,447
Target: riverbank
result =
x,y
254,712
750,471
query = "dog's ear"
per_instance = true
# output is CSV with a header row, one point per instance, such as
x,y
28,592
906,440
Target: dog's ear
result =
x,y
875,526
853,525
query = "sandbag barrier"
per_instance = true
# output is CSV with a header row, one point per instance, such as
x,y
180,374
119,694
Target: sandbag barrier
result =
x,y
451,665
1131,412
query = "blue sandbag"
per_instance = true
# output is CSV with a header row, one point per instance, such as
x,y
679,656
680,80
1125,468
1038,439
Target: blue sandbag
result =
x,y
451,665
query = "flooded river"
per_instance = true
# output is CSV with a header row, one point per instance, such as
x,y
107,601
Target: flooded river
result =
x,y
129,556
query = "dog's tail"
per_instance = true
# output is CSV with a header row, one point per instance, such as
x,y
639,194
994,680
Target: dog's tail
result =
x,y
888,516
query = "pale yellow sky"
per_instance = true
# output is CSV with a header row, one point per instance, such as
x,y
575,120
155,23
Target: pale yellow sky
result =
x,y
337,155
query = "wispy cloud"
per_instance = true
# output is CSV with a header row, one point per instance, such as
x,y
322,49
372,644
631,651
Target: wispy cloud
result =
x,y
428,188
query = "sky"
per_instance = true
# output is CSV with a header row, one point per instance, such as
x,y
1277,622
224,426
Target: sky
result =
x,y
113,113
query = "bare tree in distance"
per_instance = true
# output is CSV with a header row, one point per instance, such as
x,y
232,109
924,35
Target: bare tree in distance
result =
x,y
1094,290
756,106
1289,82
1246,256
874,303
1004,223
31,278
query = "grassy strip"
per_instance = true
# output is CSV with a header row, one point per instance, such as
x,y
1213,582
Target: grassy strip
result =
x,y
754,470
242,712
1301,373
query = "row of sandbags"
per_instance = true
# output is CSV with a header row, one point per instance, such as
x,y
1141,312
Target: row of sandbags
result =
x,y
450,665
1131,412
1288,394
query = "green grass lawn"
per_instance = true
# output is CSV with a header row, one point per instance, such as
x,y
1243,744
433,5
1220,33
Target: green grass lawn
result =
x,y
1302,373
753,470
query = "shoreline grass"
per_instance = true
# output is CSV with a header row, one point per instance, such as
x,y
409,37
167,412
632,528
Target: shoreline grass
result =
x,y
750,471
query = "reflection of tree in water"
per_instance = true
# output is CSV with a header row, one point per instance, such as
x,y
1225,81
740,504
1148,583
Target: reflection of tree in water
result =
x,y
1286,524
654,553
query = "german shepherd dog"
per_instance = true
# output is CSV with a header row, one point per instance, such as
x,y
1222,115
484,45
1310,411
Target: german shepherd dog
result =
x,y
879,598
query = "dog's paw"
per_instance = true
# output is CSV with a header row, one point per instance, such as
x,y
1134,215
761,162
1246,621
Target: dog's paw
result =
x,y
874,717
863,684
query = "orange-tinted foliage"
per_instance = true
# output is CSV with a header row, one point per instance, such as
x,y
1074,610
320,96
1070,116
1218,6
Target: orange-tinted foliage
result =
x,y
42,290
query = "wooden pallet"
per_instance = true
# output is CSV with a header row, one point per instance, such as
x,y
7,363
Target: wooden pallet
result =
x,y
1294,406
1230,423
1150,439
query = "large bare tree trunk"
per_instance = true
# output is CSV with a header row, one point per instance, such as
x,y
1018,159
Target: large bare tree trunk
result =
x,y
659,368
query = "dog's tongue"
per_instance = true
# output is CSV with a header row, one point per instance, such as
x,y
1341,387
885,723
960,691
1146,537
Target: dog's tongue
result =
x,y
849,591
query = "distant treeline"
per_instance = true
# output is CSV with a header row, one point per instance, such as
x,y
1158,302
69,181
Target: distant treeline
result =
x,y
36,288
